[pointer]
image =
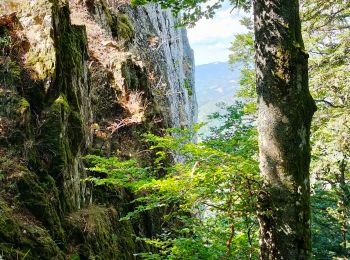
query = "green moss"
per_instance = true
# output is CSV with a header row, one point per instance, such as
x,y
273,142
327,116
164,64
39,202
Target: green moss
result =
x,y
41,63
75,131
296,44
53,143
10,72
120,24
282,59
280,74
73,47
42,199
71,53
300,46
279,54
61,100
106,11
15,113
91,233
122,28
20,238
97,233
61,137
23,106
5,39
188,87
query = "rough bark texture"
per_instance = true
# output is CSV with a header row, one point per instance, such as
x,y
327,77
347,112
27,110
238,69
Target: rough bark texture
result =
x,y
285,112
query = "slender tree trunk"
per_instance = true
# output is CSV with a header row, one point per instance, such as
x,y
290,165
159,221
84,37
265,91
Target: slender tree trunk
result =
x,y
285,111
343,204
344,230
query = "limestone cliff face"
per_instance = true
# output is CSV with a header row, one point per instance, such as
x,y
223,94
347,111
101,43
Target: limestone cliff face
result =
x,y
171,58
76,78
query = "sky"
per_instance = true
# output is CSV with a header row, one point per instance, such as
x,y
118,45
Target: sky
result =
x,y
210,39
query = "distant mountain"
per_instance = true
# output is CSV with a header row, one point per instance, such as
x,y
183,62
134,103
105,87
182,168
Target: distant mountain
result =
x,y
215,83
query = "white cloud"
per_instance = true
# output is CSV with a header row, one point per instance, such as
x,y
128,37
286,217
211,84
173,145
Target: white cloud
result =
x,y
224,25
210,53
217,46
211,38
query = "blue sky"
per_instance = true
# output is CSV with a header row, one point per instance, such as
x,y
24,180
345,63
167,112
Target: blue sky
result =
x,y
210,39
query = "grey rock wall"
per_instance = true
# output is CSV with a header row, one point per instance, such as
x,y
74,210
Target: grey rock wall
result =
x,y
166,48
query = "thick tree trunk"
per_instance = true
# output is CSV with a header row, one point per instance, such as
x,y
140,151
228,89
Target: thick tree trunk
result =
x,y
285,111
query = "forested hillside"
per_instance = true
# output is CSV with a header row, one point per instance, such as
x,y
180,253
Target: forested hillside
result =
x,y
101,156
216,84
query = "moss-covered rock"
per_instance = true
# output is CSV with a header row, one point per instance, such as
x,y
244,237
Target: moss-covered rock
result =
x,y
53,141
96,233
60,139
15,115
10,71
119,24
23,237
122,28
41,198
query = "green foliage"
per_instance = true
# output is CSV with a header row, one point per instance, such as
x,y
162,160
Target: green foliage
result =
x,y
5,38
242,52
242,49
208,196
193,10
327,37
120,173
10,70
325,225
188,87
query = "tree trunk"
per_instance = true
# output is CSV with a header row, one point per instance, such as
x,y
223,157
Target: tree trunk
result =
x,y
285,109
343,202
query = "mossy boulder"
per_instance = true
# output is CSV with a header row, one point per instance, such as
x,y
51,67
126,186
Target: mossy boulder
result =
x,y
96,233
41,197
22,237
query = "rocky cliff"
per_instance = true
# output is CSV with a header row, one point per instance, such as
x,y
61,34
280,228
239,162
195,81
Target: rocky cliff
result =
x,y
76,78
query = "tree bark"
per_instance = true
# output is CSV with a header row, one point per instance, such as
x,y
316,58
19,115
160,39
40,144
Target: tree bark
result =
x,y
343,203
285,109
